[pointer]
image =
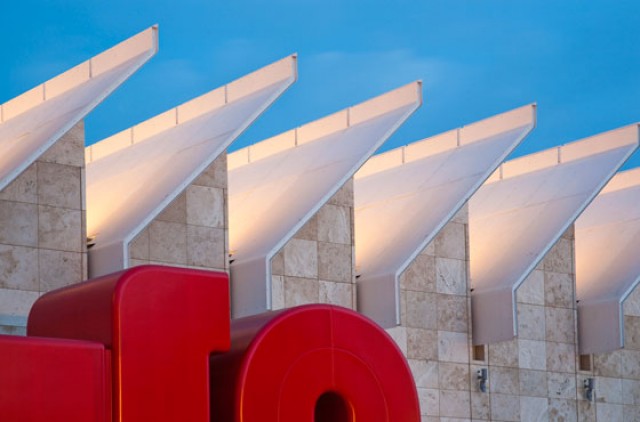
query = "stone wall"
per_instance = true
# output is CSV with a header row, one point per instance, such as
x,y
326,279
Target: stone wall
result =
x,y
42,235
316,265
192,231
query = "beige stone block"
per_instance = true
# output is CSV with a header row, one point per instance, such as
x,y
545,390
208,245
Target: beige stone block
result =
x,y
456,404
19,223
453,376
480,406
59,186
205,206
176,211
421,310
561,357
562,385
344,196
560,257
586,411
631,392
60,229
608,364
505,407
452,313
168,242
609,390
503,379
205,247
631,413
533,409
277,263
13,330
632,332
630,363
504,353
453,347
214,176
420,275
422,344
451,276
68,150
334,293
300,291
399,335
23,188
429,401
301,258
16,302
631,305
138,262
277,292
139,246
334,224
59,269
532,289
18,268
309,231
560,324
425,373
335,262
430,249
462,216
563,410
531,322
533,383
532,354
609,412
450,242
559,290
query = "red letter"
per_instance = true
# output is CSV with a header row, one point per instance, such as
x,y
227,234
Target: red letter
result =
x,y
313,363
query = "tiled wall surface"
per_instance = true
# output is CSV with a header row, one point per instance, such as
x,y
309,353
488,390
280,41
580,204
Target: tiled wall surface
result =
x,y
316,265
42,235
193,231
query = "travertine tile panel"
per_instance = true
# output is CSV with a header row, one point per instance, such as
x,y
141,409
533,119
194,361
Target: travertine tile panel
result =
x,y
450,242
399,335
139,246
335,293
453,376
609,390
205,206
451,277
504,380
452,313
609,412
631,392
168,242
176,211
632,303
422,344
23,188
560,324
429,401
586,411
425,372
205,247
561,357
214,176
138,262
300,291
16,302
505,407
533,409
455,404
420,275
531,322
59,185
18,223
334,224
632,332
18,268
421,310
608,364
559,289
59,228
344,196
310,229
480,406
68,150
532,354
631,413
560,257
301,258
532,289
335,262
630,360
59,269
277,263
533,383
277,292
504,353
562,385
453,347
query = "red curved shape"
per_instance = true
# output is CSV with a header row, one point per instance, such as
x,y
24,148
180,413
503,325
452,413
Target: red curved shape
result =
x,y
161,324
315,361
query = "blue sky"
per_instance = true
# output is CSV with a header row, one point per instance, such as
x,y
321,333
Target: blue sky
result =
x,y
579,60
